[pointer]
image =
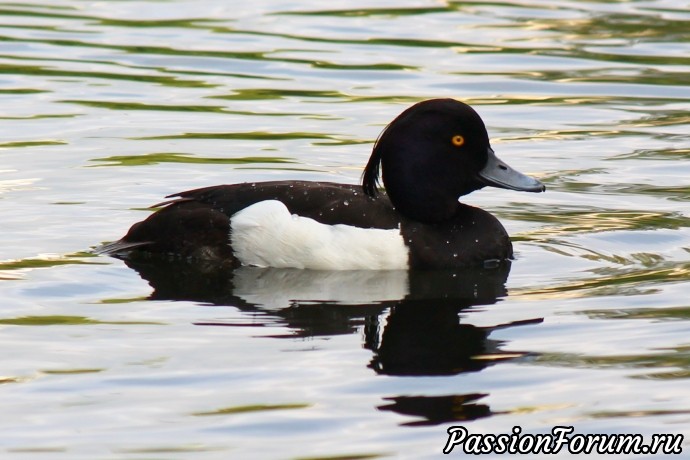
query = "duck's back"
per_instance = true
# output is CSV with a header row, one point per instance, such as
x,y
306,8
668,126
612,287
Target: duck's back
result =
x,y
197,223
326,202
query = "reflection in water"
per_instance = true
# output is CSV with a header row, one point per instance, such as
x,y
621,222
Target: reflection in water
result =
x,y
425,338
439,409
422,333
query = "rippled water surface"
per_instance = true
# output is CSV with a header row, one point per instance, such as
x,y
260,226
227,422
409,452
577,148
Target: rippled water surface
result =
x,y
106,107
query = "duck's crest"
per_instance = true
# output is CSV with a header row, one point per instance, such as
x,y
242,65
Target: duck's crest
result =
x,y
370,177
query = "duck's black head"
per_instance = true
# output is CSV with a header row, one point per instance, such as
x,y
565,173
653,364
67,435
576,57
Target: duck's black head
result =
x,y
432,154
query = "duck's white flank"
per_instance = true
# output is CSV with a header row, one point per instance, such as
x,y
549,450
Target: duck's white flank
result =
x,y
267,235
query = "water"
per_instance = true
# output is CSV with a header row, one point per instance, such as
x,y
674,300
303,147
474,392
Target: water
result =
x,y
106,107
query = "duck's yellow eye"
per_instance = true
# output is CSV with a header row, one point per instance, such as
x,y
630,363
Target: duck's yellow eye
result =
x,y
457,140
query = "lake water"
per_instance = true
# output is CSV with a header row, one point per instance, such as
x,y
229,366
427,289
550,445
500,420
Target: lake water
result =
x,y
106,107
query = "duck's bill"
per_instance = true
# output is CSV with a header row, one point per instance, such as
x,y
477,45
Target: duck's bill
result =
x,y
498,174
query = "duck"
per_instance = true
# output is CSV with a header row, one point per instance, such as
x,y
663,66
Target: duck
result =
x,y
428,157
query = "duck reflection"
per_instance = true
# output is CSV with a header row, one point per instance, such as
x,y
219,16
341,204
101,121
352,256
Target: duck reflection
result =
x,y
435,410
421,334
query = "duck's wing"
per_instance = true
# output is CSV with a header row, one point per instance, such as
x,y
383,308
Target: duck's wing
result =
x,y
196,223
326,202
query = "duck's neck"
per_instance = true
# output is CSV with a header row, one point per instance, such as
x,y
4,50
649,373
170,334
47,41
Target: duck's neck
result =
x,y
427,209
422,200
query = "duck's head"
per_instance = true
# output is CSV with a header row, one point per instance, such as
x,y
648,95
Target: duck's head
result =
x,y
432,154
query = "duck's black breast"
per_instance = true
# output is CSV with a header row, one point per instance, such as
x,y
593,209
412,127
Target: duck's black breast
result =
x,y
471,238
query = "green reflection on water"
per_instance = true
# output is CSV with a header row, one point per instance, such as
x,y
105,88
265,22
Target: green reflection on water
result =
x,y
71,371
676,359
651,118
38,14
153,23
167,51
142,106
128,106
368,12
170,449
612,75
251,94
661,313
403,42
611,280
249,135
113,22
253,408
365,66
623,58
670,375
125,300
70,259
46,71
325,139
39,5
156,158
661,154
22,91
570,181
673,193
256,94
572,220
37,450
18,144
64,320
637,413
151,69
38,117
603,26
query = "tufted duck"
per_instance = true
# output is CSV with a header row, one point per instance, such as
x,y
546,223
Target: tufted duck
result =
x,y
433,153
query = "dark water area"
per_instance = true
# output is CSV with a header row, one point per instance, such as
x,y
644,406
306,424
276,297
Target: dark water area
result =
x,y
107,107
